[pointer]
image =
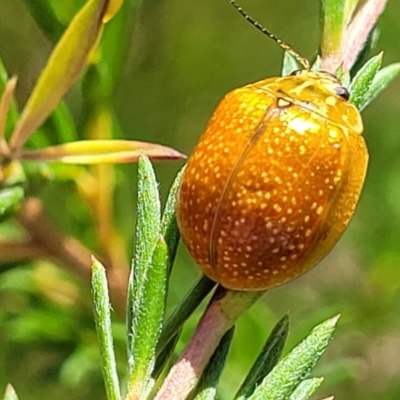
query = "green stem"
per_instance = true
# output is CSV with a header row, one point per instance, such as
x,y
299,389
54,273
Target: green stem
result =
x,y
333,27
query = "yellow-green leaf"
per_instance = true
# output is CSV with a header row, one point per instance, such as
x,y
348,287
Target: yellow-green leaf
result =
x,y
101,152
112,9
5,103
63,68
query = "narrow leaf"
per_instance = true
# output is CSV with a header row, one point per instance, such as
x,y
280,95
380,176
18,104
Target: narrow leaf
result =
x,y
343,77
12,112
102,315
147,235
169,228
363,80
297,365
317,65
382,79
191,301
267,359
350,7
290,64
147,317
100,152
62,123
306,389
368,48
112,9
3,76
63,68
147,285
10,201
5,103
10,393
115,43
165,355
207,387
45,18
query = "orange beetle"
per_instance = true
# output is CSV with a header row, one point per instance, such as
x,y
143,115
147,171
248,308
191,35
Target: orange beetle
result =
x,y
274,180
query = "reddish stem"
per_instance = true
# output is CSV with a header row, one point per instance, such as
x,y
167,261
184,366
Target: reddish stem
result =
x,y
359,29
355,37
221,314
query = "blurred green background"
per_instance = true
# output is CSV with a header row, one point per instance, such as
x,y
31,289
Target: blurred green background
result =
x,y
178,59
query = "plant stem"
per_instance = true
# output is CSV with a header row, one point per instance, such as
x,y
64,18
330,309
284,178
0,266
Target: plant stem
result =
x,y
359,29
354,37
221,314
192,300
333,27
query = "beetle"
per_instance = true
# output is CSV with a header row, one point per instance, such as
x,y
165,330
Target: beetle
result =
x,y
274,180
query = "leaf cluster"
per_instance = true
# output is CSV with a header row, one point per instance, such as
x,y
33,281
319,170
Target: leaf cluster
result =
x,y
151,337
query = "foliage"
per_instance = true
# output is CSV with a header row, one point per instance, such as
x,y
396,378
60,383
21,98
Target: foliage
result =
x,y
46,310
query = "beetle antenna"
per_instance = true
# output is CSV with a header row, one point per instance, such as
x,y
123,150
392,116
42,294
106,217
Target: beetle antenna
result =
x,y
303,61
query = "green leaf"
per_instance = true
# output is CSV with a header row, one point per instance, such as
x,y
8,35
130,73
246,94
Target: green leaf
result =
x,y
207,386
369,47
147,233
63,124
81,363
267,359
12,112
62,69
382,79
147,285
100,152
317,65
114,45
46,18
169,227
10,201
148,313
165,355
363,80
10,393
6,100
290,64
102,315
306,389
3,76
112,8
297,365
343,77
191,301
